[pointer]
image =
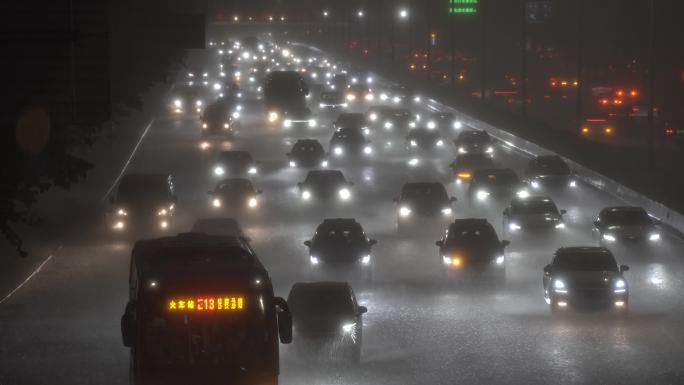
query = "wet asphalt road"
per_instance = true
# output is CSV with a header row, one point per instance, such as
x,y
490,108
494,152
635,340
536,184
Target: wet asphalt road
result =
x,y
63,326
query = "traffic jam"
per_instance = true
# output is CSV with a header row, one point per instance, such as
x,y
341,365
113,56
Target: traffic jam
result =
x,y
200,297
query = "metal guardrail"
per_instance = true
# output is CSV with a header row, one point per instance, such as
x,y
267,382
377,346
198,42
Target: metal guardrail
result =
x,y
669,217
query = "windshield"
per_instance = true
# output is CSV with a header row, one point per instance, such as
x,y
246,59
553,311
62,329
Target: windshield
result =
x,y
321,302
550,166
626,217
497,178
434,193
584,262
473,137
236,186
325,178
351,120
141,190
533,207
477,236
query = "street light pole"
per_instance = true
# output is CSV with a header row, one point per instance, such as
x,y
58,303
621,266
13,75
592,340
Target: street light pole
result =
x,y
452,43
394,26
651,87
483,53
523,72
580,62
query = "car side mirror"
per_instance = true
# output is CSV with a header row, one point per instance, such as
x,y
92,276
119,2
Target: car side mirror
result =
x,y
563,212
372,242
307,243
363,310
128,329
624,268
284,320
452,199
505,243
439,243
547,269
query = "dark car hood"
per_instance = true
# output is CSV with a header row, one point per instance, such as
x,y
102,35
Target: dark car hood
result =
x,y
426,207
630,231
474,253
319,324
340,252
589,280
536,220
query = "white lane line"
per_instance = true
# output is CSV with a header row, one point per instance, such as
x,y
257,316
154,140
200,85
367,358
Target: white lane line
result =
x,y
36,271
128,161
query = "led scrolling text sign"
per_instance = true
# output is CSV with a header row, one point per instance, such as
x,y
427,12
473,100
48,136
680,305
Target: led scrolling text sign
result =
x,y
463,6
206,304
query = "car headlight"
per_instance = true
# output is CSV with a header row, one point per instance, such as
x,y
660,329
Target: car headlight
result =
x,y
413,162
490,150
404,211
321,105
369,97
368,150
534,184
293,163
560,225
431,125
306,195
383,96
654,237
216,202
366,259
236,115
500,260
312,123
218,170
198,103
396,100
162,213
458,125
348,328
620,286
482,195
163,224
122,213
522,194
272,116
338,151
440,143
177,103
447,211
344,105
513,226
351,97
204,125
388,125
412,124
345,194
373,116
462,150
609,237
226,125
252,203
572,183
314,260
252,170
413,143
287,123
324,163
559,286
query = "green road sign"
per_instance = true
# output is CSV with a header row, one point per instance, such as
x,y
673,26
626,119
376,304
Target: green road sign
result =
x,y
463,7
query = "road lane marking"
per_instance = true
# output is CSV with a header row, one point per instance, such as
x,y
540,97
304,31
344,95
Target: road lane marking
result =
x,y
128,162
36,271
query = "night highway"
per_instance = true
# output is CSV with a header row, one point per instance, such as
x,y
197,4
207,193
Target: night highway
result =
x,y
424,308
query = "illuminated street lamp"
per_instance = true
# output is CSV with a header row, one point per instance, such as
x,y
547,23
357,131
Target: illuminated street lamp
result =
x,y
403,13
360,13
326,14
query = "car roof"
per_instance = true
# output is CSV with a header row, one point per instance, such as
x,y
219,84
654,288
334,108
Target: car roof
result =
x,y
495,171
582,250
332,222
307,141
535,198
323,285
323,172
136,177
471,222
622,208
421,185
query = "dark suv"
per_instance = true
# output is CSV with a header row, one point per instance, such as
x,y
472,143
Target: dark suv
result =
x,y
585,277
325,185
423,203
625,223
474,142
341,243
549,171
471,245
146,200
307,153
326,319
